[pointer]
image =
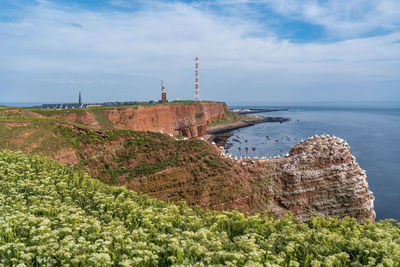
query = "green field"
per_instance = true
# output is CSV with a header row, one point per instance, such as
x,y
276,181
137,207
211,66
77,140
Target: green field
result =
x,y
230,117
52,215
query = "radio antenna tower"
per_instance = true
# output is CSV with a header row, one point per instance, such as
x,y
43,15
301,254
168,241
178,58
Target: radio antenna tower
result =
x,y
196,75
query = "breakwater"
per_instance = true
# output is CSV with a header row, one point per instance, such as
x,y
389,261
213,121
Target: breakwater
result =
x,y
257,110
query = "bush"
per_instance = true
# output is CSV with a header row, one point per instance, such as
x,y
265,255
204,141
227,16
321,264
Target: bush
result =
x,y
53,215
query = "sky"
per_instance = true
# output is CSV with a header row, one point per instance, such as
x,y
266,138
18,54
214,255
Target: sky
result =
x,y
249,50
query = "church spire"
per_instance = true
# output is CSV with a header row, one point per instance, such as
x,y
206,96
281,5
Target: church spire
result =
x,y
80,100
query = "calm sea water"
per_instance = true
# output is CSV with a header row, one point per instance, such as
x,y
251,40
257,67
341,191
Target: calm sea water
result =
x,y
371,129
21,104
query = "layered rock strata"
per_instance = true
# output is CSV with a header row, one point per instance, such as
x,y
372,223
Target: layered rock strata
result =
x,y
318,177
186,120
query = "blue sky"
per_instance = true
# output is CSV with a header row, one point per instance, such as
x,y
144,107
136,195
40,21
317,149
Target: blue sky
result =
x,y
250,50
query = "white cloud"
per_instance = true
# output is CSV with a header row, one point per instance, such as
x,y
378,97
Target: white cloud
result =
x,y
132,51
343,18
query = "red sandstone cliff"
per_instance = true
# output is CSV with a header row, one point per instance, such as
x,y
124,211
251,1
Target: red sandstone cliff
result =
x,y
318,177
186,119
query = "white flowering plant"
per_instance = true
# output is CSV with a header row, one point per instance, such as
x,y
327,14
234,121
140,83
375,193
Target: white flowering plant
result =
x,y
53,215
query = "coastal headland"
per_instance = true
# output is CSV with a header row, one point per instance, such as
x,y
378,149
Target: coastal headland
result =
x,y
185,118
152,149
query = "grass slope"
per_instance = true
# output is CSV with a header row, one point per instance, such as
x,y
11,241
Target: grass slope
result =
x,y
145,152
56,216
230,117
33,135
177,168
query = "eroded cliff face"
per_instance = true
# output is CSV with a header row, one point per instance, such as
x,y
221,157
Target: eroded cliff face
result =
x,y
186,120
83,117
318,177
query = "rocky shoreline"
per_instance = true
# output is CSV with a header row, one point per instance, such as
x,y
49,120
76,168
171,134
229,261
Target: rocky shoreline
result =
x,y
258,110
221,133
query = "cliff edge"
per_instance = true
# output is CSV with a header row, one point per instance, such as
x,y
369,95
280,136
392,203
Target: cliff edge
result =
x,y
319,176
186,118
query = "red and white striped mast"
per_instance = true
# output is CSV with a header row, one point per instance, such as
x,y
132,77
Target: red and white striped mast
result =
x,y
196,75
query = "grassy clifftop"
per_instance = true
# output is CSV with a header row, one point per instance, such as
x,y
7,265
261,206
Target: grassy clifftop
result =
x,y
53,215
5,110
162,166
177,117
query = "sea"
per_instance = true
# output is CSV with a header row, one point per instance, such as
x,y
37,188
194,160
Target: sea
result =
x,y
22,104
372,129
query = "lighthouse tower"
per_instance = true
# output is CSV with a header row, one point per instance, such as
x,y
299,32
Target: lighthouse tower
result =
x,y
163,93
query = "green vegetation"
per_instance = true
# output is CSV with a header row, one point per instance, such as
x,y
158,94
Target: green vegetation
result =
x,y
178,102
230,117
33,134
212,163
127,154
53,112
154,152
147,168
95,109
55,216
102,118
199,115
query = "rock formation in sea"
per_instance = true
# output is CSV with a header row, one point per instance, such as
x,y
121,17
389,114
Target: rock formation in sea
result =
x,y
319,176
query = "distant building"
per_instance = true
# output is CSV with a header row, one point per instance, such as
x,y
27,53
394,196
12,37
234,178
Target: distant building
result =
x,y
80,99
163,94
63,106
81,105
66,105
